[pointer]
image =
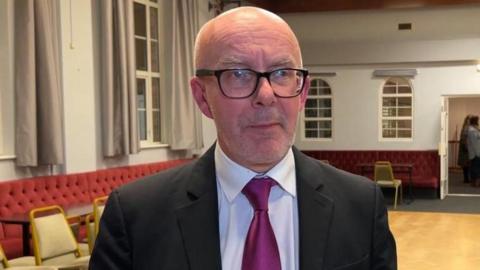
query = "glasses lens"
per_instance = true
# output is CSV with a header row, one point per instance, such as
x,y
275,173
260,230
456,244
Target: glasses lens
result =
x,y
241,83
286,82
238,82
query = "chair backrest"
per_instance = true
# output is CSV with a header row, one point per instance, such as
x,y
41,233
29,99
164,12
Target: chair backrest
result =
x,y
3,259
383,171
53,239
98,207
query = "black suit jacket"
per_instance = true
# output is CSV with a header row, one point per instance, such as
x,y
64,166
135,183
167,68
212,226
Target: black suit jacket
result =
x,y
169,221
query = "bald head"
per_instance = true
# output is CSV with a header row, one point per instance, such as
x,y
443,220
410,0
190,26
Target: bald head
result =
x,y
238,27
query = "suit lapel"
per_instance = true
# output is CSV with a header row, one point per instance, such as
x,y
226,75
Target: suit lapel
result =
x,y
315,210
198,219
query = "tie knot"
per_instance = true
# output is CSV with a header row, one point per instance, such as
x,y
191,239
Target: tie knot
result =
x,y
257,192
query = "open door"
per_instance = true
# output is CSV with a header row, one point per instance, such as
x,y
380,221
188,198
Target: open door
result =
x,y
443,147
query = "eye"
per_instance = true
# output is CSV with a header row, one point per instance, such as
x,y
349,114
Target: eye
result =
x,y
241,74
281,74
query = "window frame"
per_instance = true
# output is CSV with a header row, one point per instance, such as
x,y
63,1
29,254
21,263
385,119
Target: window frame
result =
x,y
331,118
381,95
149,75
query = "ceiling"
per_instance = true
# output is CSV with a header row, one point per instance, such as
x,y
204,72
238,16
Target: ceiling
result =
x,y
295,6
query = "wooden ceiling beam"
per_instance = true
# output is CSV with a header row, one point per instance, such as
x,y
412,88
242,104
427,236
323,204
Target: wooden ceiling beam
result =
x,y
290,6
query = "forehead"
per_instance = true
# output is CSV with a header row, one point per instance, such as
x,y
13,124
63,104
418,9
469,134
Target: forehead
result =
x,y
250,40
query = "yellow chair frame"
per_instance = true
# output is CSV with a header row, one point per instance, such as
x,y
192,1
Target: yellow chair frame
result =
x,y
3,258
35,236
383,176
95,217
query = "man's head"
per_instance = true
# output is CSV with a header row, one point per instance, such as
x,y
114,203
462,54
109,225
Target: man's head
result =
x,y
254,130
474,120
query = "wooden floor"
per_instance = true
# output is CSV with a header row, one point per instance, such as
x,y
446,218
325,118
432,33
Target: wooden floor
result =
x,y
436,241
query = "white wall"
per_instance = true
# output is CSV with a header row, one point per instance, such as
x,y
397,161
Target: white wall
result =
x,y
353,44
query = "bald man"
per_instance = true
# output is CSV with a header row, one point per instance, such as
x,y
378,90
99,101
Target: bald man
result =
x,y
252,201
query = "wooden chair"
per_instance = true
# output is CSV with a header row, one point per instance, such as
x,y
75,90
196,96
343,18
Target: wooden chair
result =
x,y
53,240
383,176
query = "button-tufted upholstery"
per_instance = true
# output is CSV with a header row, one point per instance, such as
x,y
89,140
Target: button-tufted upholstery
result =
x,y
19,196
426,163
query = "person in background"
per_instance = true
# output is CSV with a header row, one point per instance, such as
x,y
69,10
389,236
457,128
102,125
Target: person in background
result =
x,y
253,201
463,160
473,144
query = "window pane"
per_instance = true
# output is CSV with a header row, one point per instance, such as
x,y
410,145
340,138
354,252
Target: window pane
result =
x,y
325,103
154,23
323,83
325,113
404,101
389,124
140,18
141,54
389,90
141,98
311,124
325,124
141,105
389,112
404,133
311,134
389,102
156,125
324,91
313,83
404,90
325,133
405,124
388,133
311,112
404,112
311,103
142,124
155,93
154,61
312,91
390,83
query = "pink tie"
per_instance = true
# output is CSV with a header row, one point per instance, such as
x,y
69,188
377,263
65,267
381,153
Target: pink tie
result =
x,y
261,250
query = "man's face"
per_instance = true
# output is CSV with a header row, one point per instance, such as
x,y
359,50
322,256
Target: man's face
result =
x,y
257,131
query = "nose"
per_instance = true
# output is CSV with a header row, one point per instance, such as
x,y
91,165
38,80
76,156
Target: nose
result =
x,y
264,96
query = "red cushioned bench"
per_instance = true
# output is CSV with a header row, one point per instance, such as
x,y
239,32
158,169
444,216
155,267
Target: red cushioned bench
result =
x,y
426,163
20,196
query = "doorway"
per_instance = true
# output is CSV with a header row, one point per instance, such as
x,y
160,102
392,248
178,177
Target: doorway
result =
x,y
459,107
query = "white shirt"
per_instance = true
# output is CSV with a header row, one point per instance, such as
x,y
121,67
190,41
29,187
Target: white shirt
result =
x,y
236,213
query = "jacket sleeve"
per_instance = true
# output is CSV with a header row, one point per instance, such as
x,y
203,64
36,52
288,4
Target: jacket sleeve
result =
x,y
384,255
112,247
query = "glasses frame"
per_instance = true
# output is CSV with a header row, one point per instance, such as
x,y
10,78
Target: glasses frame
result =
x,y
218,73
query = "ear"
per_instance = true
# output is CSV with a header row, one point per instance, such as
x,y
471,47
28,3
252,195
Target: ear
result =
x,y
304,94
198,92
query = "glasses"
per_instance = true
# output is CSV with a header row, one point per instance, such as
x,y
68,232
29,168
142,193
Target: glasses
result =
x,y
242,83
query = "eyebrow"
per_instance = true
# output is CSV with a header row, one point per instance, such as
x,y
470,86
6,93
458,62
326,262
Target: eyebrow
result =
x,y
232,61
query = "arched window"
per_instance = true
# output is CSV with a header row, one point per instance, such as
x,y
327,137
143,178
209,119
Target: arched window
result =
x,y
396,117
317,118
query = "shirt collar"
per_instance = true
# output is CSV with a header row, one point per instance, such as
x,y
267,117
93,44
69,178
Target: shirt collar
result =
x,y
232,177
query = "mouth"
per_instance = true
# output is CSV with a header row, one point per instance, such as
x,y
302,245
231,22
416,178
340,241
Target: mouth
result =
x,y
264,125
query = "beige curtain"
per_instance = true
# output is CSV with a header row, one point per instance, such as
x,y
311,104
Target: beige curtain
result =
x,y
38,92
118,83
185,131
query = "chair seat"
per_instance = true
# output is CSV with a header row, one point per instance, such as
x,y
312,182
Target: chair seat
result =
x,y
84,249
22,261
389,183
